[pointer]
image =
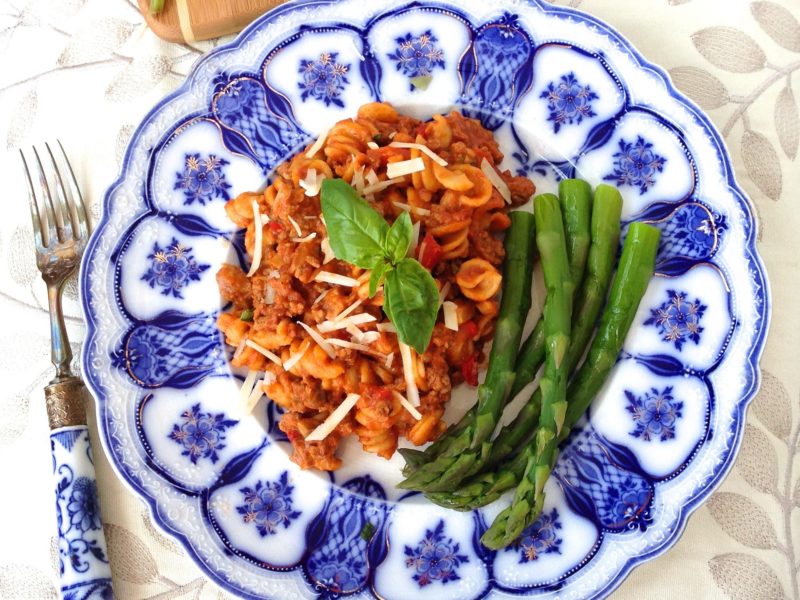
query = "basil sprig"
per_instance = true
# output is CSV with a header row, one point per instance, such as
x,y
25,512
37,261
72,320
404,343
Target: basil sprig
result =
x,y
359,235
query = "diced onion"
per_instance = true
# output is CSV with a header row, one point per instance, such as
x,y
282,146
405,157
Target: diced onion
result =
x,y
295,358
450,315
404,167
422,148
328,425
318,144
336,279
381,185
260,349
407,405
269,295
494,177
247,386
296,227
259,230
388,327
321,341
408,373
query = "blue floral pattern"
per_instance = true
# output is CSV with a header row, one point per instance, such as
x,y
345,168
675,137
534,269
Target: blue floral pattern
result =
x,y
82,555
202,179
435,558
636,164
540,538
655,414
201,434
323,79
269,505
417,56
568,101
678,319
172,268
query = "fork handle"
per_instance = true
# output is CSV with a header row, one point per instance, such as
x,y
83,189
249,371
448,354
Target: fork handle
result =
x,y
60,350
83,556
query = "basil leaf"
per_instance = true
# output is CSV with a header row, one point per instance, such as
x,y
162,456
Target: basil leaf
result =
x,y
399,238
411,303
379,269
357,232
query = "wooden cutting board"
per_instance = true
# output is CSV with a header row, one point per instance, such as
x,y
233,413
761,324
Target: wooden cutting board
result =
x,y
190,20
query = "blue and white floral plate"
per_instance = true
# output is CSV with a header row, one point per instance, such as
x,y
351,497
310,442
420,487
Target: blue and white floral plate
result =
x,y
565,94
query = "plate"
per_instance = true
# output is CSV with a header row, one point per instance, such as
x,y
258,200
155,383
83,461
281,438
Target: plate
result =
x,y
565,95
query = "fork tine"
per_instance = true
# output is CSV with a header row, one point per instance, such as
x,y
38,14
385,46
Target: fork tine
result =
x,y
63,199
34,206
49,209
77,198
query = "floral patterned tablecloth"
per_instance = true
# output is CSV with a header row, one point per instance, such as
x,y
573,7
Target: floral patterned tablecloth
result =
x,y
86,71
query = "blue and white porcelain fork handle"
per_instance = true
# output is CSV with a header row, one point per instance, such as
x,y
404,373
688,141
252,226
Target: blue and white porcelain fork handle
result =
x,y
83,557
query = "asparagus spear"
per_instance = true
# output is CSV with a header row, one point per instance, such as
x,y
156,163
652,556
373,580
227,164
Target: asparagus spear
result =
x,y
600,264
575,197
633,275
469,443
482,489
550,240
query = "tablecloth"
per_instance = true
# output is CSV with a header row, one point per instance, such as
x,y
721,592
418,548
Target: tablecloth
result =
x,y
86,71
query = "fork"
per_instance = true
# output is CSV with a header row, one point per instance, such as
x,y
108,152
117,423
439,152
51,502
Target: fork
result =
x,y
61,230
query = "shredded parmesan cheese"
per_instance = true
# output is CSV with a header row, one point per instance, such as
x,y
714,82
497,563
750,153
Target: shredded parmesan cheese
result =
x,y
318,144
389,360
247,386
423,212
328,425
259,230
347,310
450,315
422,148
260,349
404,167
368,337
269,295
297,229
265,219
354,332
308,238
443,292
494,177
321,296
295,358
336,279
407,405
358,319
312,182
253,399
371,178
352,346
239,348
321,341
408,373
358,179
325,246
372,145
412,246
391,135
381,185
388,327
